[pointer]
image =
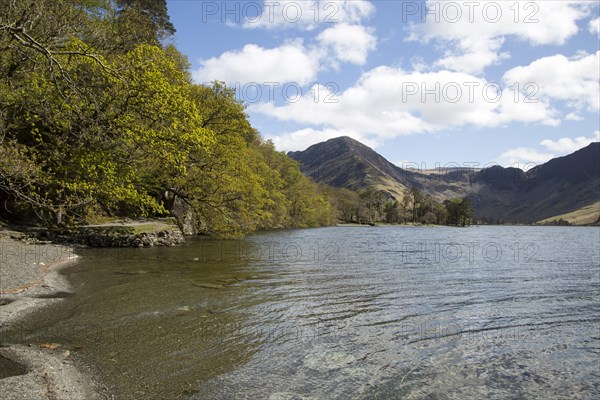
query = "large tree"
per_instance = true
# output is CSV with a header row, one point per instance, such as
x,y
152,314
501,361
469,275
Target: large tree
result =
x,y
83,127
459,211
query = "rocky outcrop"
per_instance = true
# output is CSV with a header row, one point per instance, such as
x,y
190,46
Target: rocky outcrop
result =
x,y
121,235
103,238
183,213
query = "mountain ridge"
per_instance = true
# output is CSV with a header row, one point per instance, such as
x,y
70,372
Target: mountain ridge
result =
x,y
561,185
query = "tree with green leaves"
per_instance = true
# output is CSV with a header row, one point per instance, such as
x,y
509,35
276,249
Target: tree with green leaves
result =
x,y
154,10
99,116
415,197
393,212
84,127
459,211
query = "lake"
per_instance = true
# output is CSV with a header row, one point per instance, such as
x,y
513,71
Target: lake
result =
x,y
340,313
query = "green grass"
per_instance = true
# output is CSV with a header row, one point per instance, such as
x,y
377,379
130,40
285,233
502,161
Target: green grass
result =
x,y
584,216
136,228
152,227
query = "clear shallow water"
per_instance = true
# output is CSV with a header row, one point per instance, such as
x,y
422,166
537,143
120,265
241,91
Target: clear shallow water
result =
x,y
348,313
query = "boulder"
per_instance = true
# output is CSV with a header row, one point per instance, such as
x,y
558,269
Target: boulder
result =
x,y
183,213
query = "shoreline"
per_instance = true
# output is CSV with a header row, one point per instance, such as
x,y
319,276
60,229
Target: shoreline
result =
x,y
30,280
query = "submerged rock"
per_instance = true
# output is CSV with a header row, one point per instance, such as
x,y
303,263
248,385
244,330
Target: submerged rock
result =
x,y
49,346
209,285
328,360
288,396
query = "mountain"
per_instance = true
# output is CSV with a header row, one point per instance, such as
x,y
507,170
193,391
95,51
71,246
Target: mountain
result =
x,y
345,162
560,186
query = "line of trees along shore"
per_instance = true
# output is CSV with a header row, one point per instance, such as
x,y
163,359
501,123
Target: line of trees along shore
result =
x,y
100,118
371,206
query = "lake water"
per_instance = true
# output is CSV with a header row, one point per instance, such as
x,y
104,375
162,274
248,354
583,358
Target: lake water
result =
x,y
340,313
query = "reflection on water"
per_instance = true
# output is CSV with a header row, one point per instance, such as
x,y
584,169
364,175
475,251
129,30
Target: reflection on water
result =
x,y
364,313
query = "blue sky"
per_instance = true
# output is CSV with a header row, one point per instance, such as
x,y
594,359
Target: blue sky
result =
x,y
426,83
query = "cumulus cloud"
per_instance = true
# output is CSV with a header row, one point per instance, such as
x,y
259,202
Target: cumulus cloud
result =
x,y
348,43
594,26
476,53
525,157
573,117
309,15
569,145
388,102
291,62
574,80
475,38
304,138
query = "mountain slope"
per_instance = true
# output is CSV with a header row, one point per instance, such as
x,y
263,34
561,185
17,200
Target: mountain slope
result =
x,y
560,186
345,162
587,215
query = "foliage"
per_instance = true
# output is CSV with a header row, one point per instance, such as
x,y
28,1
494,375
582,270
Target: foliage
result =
x,y
370,206
98,116
459,211
153,11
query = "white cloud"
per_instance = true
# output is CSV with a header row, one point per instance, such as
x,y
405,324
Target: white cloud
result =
x,y
574,80
308,15
349,43
476,54
516,108
573,117
388,102
418,64
304,138
525,157
475,39
569,145
594,26
291,62
403,163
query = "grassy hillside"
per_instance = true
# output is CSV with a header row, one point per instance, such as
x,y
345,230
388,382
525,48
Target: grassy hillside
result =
x,y
587,215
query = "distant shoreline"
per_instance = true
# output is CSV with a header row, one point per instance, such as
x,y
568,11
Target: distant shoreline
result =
x,y
412,225
384,224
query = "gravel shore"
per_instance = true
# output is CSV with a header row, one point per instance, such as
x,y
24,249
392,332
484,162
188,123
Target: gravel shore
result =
x,y
28,280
